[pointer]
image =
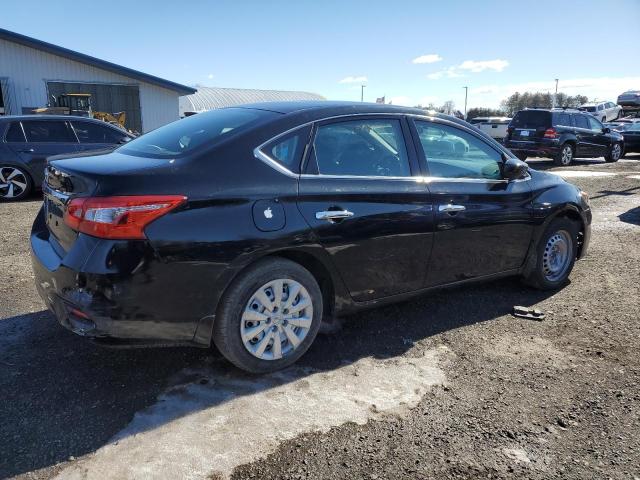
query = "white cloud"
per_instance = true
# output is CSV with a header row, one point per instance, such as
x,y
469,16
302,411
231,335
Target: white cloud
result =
x,y
595,88
481,66
359,79
429,58
210,76
401,100
450,72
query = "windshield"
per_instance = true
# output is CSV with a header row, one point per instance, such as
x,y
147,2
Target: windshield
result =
x,y
531,119
186,135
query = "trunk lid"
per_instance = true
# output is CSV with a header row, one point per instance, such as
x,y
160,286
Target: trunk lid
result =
x,y
83,175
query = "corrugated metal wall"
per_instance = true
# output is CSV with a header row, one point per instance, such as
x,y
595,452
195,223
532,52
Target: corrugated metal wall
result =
x,y
27,71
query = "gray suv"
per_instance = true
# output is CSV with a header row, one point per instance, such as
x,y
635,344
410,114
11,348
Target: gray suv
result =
x,y
26,142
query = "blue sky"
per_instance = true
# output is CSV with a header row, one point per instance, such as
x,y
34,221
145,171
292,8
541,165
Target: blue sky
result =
x,y
409,51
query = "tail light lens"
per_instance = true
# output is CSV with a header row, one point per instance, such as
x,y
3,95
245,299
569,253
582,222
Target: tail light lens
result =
x,y
550,133
122,217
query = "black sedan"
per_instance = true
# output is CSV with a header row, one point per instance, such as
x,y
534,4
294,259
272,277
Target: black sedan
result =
x,y
247,226
631,134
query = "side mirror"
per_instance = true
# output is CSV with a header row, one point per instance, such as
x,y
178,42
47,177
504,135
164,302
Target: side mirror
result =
x,y
606,130
514,169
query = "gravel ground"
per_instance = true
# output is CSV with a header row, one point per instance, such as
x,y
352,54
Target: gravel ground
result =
x,y
522,399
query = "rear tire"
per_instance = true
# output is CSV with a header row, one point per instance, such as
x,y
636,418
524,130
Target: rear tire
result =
x,y
15,183
615,153
255,313
564,158
604,120
555,255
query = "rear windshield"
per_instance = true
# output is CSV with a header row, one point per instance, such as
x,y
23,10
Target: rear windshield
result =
x,y
201,130
531,119
587,109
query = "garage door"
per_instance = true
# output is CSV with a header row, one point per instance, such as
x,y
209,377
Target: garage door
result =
x,y
108,98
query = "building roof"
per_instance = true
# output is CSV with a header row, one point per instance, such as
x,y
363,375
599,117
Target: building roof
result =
x,y
95,62
210,98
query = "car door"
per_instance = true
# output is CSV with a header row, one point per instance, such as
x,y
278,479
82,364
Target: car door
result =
x,y
94,136
599,140
44,138
483,222
362,195
582,131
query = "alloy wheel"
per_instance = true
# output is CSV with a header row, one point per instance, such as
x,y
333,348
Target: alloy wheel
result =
x,y
567,155
13,182
557,255
276,319
616,152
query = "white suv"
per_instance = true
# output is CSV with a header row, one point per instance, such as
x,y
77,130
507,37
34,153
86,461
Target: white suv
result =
x,y
495,127
603,111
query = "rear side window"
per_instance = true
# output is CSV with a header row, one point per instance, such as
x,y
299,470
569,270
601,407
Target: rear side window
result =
x,y
47,131
531,119
563,119
288,149
189,134
89,132
581,121
15,133
454,153
362,148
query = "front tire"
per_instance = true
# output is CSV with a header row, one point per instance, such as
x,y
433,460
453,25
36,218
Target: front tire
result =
x,y
555,255
565,156
521,156
15,183
615,153
269,316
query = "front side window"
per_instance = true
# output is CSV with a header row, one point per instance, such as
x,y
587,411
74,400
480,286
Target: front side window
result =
x,y
362,148
47,131
89,132
189,134
14,133
454,153
595,124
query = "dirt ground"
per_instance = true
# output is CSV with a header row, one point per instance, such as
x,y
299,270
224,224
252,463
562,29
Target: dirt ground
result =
x,y
448,385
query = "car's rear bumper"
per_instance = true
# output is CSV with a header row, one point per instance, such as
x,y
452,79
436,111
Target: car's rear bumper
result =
x,y
116,292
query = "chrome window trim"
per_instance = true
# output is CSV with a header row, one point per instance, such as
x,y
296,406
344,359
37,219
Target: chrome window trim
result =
x,y
260,155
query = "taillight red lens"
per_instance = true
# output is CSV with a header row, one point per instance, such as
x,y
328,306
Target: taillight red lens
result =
x,y
122,217
550,133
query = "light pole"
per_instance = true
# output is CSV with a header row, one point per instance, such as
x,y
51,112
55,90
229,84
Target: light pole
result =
x,y
466,91
362,92
555,96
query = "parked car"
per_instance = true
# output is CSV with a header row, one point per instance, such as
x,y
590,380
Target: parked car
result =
x,y
562,135
247,226
603,111
631,134
630,98
26,142
495,127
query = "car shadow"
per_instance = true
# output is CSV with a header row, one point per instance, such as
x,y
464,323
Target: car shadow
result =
x,y
547,164
631,216
64,396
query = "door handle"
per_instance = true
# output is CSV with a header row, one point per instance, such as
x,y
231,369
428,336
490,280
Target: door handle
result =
x,y
333,215
450,208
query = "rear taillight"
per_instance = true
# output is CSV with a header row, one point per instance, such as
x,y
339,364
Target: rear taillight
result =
x,y
550,133
118,217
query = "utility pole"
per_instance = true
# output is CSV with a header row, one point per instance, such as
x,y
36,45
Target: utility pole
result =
x,y
555,96
466,91
362,92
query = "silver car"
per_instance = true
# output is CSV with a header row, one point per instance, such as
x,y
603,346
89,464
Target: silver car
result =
x,y
630,98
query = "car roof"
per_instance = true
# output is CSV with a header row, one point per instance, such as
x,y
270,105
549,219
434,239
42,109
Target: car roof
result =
x,y
320,109
34,116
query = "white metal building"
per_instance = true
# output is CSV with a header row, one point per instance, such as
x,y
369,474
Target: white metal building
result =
x,y
32,72
209,98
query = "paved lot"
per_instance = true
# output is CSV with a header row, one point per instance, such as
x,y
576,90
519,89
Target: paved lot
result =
x,y
445,386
